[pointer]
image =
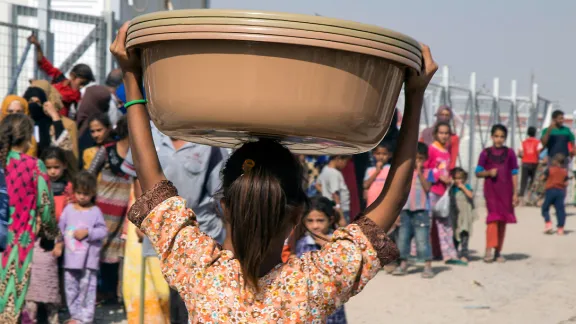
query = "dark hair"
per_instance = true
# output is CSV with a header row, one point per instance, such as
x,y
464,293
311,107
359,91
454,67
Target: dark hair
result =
x,y
384,144
121,130
441,124
457,170
15,130
326,206
85,182
262,191
83,71
65,157
559,158
336,157
499,127
422,149
102,118
531,131
557,113
114,78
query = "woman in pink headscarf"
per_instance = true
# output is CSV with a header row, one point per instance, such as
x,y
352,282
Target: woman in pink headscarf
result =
x,y
444,114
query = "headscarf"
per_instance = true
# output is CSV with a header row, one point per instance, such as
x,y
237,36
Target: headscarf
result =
x,y
53,95
8,100
427,135
41,120
96,100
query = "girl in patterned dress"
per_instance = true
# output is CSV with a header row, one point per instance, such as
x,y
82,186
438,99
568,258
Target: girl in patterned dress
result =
x,y
244,280
113,197
320,224
31,215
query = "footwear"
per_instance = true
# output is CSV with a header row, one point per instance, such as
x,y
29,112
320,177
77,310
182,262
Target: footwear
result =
x,y
427,273
548,228
488,258
500,259
560,231
399,271
456,262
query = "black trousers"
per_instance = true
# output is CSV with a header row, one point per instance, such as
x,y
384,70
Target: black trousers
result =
x,y
527,176
178,311
463,245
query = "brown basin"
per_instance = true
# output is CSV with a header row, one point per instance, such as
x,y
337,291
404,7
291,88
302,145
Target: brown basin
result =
x,y
320,90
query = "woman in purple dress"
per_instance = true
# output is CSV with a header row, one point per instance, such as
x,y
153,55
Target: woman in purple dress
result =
x,y
498,166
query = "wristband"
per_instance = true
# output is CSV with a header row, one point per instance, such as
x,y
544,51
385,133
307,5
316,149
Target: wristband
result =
x,y
135,102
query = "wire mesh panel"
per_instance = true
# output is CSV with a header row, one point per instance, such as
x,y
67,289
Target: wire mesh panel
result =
x,y
75,38
16,58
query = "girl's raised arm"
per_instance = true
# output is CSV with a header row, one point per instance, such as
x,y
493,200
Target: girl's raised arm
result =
x,y
389,203
144,154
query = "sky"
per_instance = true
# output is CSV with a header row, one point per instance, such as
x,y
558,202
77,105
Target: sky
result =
x,y
508,39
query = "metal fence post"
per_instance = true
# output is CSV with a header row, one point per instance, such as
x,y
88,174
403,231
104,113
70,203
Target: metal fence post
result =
x,y
533,121
109,37
44,17
101,47
471,123
512,115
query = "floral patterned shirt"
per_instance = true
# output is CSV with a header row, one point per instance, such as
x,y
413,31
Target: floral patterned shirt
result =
x,y
209,279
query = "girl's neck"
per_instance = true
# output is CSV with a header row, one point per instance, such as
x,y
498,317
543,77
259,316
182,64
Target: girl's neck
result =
x,y
439,144
77,206
19,148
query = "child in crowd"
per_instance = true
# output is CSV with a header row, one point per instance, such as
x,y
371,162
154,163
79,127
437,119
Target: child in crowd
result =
x,y
61,172
320,223
376,176
45,286
332,185
498,166
556,178
415,218
439,163
113,198
80,75
529,154
83,229
463,214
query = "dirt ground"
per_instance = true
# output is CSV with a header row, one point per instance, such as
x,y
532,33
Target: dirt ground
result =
x,y
537,284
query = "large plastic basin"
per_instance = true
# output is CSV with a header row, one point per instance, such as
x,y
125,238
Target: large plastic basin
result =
x,y
317,88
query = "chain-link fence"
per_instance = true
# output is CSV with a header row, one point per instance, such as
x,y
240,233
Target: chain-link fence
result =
x,y
69,39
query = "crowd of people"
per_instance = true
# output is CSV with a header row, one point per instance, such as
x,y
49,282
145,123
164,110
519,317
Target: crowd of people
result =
x,y
68,178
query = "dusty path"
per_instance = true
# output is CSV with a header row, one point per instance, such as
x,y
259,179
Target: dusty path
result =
x,y
536,285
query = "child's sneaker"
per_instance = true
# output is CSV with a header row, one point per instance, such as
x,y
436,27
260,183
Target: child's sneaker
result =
x,y
548,228
560,231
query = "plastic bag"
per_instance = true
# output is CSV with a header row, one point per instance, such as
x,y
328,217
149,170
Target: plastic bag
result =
x,y
442,207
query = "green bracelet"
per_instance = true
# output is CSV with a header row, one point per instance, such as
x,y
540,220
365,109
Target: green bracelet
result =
x,y
135,102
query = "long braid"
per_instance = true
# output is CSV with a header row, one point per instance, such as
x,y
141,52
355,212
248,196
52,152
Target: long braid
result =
x,y
15,130
6,142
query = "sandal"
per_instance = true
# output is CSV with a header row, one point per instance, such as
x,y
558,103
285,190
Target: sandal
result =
x,y
488,259
456,262
399,271
427,273
500,259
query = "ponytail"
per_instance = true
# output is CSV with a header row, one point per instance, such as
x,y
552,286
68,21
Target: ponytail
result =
x,y
263,195
257,205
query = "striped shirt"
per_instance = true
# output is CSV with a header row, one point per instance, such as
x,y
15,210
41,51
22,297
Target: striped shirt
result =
x,y
418,197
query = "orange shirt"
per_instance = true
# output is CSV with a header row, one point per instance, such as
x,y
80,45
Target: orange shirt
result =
x,y
556,178
530,150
